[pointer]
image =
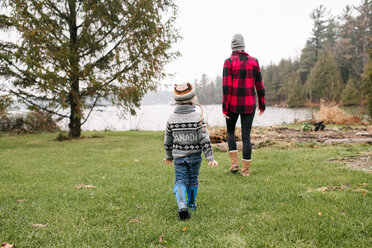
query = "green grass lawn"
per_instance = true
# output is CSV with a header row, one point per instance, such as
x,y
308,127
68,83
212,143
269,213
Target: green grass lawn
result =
x,y
133,204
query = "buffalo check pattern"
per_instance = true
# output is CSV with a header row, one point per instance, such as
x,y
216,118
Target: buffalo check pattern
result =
x,y
241,77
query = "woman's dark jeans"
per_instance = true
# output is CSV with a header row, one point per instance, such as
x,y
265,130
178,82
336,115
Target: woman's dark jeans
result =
x,y
246,125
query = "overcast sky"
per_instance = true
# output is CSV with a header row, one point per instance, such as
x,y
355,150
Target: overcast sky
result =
x,y
272,29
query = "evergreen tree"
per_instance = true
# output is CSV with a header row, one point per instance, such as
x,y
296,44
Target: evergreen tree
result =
x,y
308,60
352,46
217,92
202,90
345,49
72,53
319,29
276,79
367,82
270,75
363,31
351,95
324,81
314,44
296,96
331,32
209,91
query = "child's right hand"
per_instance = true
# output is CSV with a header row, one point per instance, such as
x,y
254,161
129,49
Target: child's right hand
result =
x,y
166,161
213,163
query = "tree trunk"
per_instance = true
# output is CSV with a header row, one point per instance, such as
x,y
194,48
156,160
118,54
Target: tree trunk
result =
x,y
75,112
74,96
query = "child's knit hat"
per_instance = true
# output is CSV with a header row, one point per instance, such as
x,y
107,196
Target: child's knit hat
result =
x,y
184,93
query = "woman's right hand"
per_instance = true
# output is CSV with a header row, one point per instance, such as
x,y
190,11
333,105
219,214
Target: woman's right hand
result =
x,y
227,117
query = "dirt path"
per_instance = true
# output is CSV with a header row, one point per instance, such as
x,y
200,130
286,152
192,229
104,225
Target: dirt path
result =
x,y
288,137
272,134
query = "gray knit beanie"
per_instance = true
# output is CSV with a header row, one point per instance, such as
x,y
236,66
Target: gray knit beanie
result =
x,y
237,43
184,94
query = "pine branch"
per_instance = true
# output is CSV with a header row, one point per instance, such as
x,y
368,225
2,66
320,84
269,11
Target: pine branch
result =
x,y
36,105
91,109
56,10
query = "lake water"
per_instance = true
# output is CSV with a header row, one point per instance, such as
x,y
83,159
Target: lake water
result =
x,y
154,117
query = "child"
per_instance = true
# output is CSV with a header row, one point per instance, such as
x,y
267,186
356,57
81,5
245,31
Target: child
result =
x,y
185,137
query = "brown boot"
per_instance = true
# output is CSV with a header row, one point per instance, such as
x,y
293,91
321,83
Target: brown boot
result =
x,y
245,168
234,161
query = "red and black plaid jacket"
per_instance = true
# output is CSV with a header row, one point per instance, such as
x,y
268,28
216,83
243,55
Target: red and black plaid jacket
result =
x,y
241,74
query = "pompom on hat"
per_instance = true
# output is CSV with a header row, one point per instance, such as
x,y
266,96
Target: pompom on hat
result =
x,y
185,94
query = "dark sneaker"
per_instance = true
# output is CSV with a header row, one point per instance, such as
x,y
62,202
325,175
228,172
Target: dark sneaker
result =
x,y
184,213
192,207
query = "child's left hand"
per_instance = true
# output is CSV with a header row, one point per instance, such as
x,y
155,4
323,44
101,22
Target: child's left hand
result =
x,y
166,161
213,163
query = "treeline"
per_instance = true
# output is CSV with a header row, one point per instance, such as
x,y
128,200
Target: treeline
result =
x,y
330,66
209,91
331,63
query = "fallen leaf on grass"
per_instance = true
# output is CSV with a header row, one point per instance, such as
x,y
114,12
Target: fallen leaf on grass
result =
x,y
322,189
364,184
7,245
360,190
22,200
364,194
320,214
39,225
161,239
136,160
309,189
82,186
185,228
332,187
135,220
103,177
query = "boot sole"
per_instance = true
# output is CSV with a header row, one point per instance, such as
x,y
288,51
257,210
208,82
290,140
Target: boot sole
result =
x,y
235,169
184,213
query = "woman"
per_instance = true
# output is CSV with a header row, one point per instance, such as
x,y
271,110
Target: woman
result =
x,y
241,76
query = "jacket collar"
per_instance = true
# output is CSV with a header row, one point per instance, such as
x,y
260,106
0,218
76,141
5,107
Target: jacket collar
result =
x,y
240,53
184,109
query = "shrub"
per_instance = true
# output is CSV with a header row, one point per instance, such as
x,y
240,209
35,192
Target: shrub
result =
x,y
5,103
335,115
62,136
41,122
31,123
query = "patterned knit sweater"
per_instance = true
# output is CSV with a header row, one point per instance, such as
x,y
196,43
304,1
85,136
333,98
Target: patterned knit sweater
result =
x,y
184,134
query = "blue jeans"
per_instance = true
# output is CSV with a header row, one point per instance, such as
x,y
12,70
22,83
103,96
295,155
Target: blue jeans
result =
x,y
187,170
